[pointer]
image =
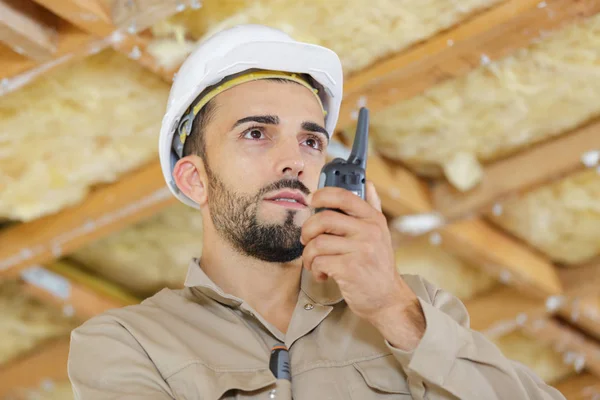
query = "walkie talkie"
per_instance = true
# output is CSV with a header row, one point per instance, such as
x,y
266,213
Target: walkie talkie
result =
x,y
350,174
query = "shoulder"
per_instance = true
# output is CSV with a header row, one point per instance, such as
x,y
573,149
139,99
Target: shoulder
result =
x,y
153,314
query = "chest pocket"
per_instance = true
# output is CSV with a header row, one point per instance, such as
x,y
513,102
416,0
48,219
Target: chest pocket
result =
x,y
200,382
378,379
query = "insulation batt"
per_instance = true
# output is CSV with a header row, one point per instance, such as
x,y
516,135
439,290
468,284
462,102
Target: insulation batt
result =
x,y
539,91
79,125
541,358
150,255
442,269
384,26
561,219
26,321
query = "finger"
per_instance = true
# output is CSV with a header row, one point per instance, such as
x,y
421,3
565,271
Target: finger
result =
x,y
330,222
342,199
372,196
326,266
326,245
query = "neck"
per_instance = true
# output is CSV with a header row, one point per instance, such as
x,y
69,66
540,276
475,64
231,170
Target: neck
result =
x,y
269,288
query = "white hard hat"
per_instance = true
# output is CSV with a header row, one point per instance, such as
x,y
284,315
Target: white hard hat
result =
x,y
230,52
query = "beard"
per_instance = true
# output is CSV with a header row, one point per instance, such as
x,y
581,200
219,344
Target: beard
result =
x,y
235,217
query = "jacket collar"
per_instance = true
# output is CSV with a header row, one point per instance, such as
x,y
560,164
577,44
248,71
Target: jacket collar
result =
x,y
327,293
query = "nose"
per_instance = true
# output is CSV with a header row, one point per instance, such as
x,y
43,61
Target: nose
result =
x,y
289,161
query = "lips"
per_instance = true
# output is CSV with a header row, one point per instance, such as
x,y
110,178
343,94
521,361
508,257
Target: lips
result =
x,y
289,197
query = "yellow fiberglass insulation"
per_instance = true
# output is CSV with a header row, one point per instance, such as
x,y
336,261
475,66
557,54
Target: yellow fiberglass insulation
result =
x,y
539,91
82,124
442,269
540,357
561,219
26,321
150,255
360,31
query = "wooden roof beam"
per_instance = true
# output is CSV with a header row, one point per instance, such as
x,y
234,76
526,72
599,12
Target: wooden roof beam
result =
x,y
580,387
24,26
536,166
502,310
48,361
88,15
74,290
584,313
107,209
16,70
490,35
94,16
565,339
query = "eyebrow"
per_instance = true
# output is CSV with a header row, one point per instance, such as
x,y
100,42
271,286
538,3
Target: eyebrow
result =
x,y
274,120
313,127
261,119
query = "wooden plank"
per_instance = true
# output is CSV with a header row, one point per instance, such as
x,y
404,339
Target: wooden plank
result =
x,y
491,35
584,313
580,387
17,70
138,15
73,290
134,46
535,166
584,351
107,209
48,361
88,15
401,192
102,19
25,27
501,256
502,310
581,280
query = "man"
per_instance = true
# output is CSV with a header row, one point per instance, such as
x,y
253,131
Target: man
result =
x,y
244,140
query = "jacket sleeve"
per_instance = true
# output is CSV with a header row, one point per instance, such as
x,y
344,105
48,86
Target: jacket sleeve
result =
x,y
106,362
453,361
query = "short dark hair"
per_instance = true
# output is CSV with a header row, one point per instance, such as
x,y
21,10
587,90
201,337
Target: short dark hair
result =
x,y
196,143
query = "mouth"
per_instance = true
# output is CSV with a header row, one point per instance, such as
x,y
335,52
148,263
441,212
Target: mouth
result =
x,y
288,199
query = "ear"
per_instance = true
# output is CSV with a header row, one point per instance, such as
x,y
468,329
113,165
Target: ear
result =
x,y
190,177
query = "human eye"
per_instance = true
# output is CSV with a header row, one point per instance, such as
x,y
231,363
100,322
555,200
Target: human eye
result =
x,y
314,142
253,133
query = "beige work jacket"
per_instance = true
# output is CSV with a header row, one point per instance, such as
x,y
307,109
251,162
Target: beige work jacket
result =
x,y
201,343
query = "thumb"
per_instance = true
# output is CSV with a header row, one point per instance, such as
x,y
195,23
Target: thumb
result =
x,y
372,196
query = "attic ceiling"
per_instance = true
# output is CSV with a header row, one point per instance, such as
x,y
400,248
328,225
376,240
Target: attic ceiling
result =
x,y
471,103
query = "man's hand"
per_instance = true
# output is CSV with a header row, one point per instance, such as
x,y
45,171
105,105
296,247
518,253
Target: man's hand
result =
x,y
356,251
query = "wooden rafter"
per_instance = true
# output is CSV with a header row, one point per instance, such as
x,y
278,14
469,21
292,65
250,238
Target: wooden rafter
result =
x,y
24,27
17,70
490,35
536,166
96,17
89,15
581,281
502,309
564,339
502,256
580,387
73,290
108,209
583,312
48,361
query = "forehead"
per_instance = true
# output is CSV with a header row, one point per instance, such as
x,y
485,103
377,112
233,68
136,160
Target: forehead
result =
x,y
288,100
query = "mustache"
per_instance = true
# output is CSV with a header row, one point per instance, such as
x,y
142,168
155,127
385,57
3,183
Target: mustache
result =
x,y
284,184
